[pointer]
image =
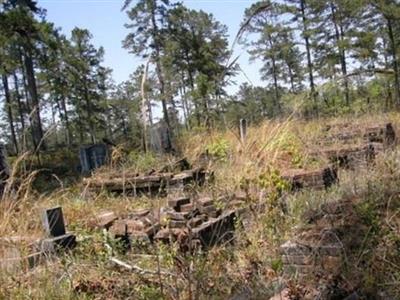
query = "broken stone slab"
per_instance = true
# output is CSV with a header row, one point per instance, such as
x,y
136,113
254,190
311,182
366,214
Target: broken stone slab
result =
x,y
54,244
217,230
104,220
316,179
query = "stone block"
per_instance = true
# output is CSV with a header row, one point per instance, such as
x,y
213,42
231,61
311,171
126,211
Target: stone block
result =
x,y
207,201
126,227
178,202
297,259
104,220
293,248
187,207
194,222
177,224
217,230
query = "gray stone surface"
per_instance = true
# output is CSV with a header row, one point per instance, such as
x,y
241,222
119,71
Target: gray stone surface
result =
x,y
53,222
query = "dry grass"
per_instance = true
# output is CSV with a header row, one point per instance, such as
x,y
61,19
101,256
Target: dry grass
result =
x,y
252,264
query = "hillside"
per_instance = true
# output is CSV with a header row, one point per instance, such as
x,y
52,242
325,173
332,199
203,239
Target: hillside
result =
x,y
296,232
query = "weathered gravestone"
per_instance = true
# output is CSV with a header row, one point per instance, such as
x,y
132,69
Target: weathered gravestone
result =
x,y
93,157
53,222
4,170
159,138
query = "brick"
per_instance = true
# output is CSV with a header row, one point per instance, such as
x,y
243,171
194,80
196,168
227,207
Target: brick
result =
x,y
177,224
187,207
297,259
205,201
293,248
176,216
194,222
122,227
178,202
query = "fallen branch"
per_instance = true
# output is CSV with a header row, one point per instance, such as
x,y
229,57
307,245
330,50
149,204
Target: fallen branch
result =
x,y
137,269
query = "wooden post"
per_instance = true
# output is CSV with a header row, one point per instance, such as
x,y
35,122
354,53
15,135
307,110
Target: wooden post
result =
x,y
243,130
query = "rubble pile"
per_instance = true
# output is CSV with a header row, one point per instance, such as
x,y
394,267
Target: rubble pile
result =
x,y
347,134
154,184
190,222
315,179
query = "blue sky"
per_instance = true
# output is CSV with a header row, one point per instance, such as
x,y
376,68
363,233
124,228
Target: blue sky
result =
x,y
105,21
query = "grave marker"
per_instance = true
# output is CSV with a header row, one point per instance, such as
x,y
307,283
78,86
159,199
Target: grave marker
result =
x,y
53,222
93,157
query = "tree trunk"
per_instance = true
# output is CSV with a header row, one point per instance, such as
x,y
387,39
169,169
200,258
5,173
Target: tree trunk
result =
x,y
339,34
20,107
394,57
160,75
36,120
89,112
9,112
308,51
66,120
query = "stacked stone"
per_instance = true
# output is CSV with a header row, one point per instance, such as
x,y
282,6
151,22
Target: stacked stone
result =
x,y
351,156
305,258
188,222
151,184
316,179
381,133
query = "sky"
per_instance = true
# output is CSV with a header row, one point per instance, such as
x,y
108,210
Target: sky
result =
x,y
105,20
